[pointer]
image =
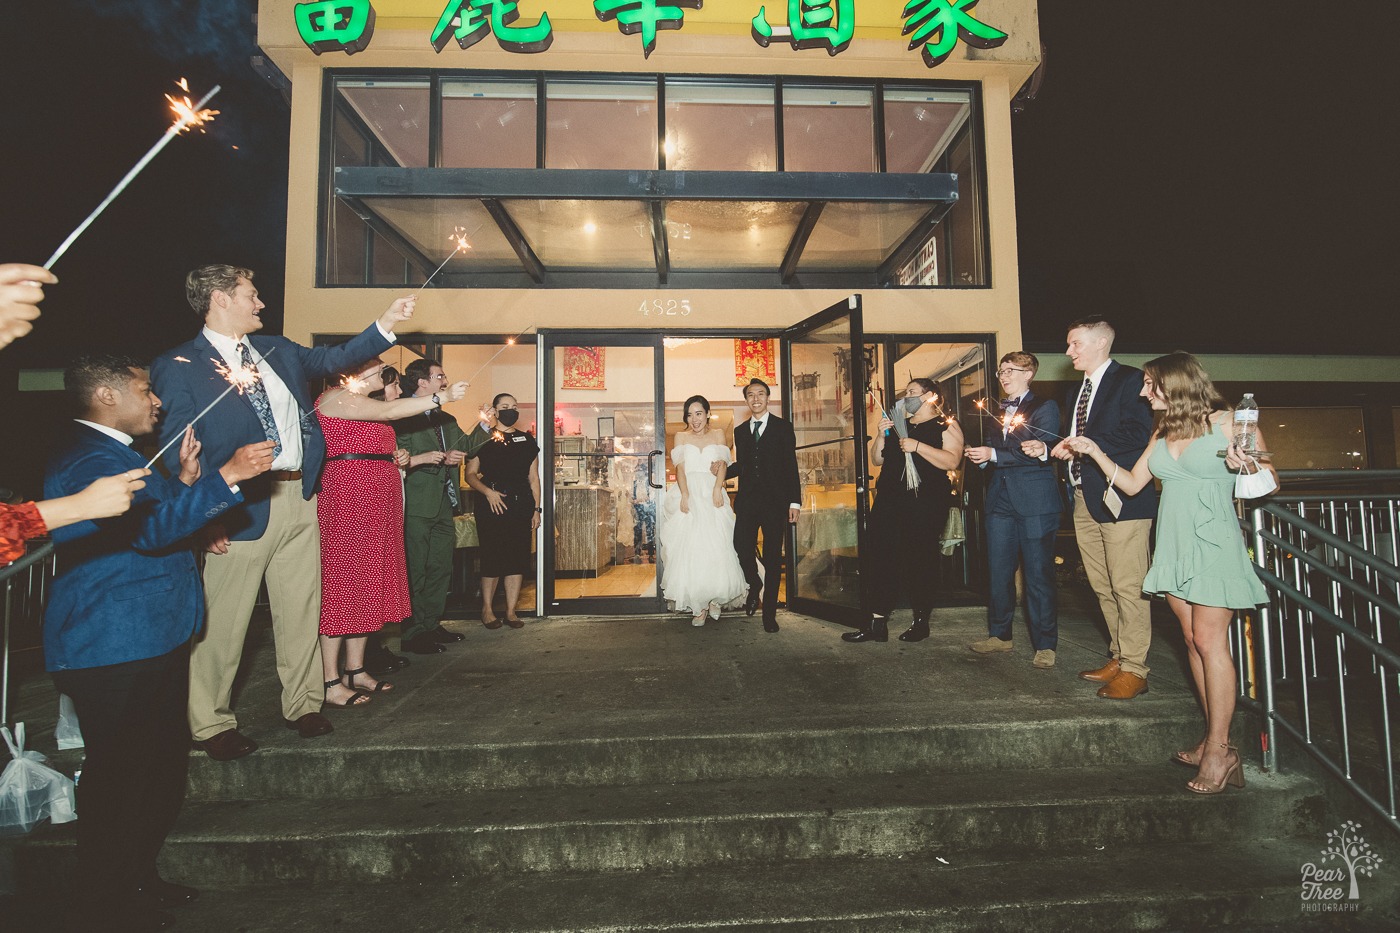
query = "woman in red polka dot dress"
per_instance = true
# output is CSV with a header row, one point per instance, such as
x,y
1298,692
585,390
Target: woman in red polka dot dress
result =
x,y
364,583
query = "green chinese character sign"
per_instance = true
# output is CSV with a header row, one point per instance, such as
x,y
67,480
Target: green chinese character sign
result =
x,y
335,25
939,24
468,21
644,16
810,25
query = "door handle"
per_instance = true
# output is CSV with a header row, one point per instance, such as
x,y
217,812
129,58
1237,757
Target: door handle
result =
x,y
651,475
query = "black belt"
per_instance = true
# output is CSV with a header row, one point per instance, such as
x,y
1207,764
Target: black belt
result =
x,y
362,457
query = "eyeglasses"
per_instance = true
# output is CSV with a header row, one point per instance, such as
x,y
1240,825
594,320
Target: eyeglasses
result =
x,y
1010,369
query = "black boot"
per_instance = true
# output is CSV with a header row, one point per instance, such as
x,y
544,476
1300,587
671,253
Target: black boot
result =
x,y
877,629
919,630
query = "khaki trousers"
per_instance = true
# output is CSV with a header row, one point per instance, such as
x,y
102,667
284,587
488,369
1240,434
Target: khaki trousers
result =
x,y
1115,556
289,556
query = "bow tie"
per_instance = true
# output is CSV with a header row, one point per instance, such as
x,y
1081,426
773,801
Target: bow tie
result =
x,y
1009,403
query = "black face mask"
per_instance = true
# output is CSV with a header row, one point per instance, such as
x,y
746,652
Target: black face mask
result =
x,y
508,416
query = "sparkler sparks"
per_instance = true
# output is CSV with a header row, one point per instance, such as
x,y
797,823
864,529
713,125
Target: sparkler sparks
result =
x,y
1010,423
186,115
492,358
459,238
243,378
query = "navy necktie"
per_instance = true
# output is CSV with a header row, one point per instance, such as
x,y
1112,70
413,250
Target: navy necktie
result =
x,y
257,395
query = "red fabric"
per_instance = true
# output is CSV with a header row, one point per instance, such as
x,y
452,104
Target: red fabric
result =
x,y
19,523
364,582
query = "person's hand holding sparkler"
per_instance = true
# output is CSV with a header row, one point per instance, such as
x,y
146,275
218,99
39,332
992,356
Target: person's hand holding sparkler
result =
x,y
401,310
102,498
1062,450
978,455
190,448
21,290
248,461
1036,449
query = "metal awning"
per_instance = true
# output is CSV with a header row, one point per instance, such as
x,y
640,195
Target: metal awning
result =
x,y
625,228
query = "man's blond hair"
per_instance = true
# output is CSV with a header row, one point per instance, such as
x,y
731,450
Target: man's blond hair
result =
x,y
202,283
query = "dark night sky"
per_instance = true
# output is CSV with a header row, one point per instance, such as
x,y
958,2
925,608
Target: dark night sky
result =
x,y
1212,176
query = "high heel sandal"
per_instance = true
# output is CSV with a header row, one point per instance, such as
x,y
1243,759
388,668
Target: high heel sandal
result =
x,y
1234,775
714,609
1182,757
698,620
381,686
358,698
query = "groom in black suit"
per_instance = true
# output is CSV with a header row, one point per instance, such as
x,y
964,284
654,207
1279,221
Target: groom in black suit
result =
x,y
770,497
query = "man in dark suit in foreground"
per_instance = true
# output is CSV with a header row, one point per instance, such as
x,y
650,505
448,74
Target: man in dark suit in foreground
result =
x,y
1022,511
1108,407
124,605
769,498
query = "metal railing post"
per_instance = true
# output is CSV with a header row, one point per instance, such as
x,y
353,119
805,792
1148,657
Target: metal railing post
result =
x,y
1266,653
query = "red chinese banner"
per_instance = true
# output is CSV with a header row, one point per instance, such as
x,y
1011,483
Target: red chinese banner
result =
x,y
583,367
753,359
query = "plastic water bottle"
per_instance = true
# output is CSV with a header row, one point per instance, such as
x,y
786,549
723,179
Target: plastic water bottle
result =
x,y
1247,423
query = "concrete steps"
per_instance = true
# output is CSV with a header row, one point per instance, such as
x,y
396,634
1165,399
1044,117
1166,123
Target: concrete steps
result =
x,y
663,778
1164,887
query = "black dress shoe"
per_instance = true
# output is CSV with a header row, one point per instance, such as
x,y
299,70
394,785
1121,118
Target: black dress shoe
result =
x,y
443,637
423,644
161,893
310,725
227,745
751,604
770,625
919,630
877,629
380,661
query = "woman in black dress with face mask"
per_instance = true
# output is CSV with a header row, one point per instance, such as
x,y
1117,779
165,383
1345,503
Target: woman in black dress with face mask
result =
x,y
902,533
505,475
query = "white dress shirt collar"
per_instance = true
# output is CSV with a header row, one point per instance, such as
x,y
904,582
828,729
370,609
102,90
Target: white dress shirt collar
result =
x,y
121,436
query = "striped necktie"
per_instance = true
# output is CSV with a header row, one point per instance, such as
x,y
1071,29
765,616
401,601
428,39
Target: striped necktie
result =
x,y
257,395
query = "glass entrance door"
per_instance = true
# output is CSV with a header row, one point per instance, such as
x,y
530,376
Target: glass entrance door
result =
x,y
602,434
824,383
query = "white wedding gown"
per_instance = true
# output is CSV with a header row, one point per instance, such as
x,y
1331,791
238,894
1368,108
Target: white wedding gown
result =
x,y
697,547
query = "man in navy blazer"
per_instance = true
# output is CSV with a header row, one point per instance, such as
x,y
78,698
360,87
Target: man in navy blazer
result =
x,y
1109,408
273,534
125,602
1023,509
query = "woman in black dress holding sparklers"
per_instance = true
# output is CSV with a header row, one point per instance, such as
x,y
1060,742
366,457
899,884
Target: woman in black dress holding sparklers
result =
x,y
908,513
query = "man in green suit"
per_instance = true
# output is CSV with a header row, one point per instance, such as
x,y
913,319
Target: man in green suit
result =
x,y
437,448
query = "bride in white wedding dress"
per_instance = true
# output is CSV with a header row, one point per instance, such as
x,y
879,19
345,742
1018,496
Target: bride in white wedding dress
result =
x,y
701,572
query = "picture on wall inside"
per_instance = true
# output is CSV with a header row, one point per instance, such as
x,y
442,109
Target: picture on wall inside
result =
x,y
753,359
583,368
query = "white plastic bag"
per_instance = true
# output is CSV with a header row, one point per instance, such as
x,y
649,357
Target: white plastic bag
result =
x,y
68,733
30,790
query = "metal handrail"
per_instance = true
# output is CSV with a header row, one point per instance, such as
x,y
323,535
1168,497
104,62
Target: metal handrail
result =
x,y
27,565
1362,591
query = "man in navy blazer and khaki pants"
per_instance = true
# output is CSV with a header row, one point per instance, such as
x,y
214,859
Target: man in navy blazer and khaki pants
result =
x,y
274,533
1108,407
125,602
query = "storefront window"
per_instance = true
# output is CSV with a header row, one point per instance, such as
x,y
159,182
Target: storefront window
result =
x,y
828,129
720,127
601,124
396,112
488,123
1315,438
852,230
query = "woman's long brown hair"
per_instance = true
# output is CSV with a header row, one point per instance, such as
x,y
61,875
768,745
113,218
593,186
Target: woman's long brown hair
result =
x,y
1191,397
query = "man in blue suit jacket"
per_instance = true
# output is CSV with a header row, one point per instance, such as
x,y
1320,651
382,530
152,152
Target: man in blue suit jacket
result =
x,y
1022,511
124,605
274,533
1108,407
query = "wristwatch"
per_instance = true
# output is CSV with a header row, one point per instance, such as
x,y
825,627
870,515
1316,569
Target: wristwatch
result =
x,y
540,510
437,401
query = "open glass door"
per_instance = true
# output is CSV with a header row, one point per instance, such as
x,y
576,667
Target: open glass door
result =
x,y
824,385
602,439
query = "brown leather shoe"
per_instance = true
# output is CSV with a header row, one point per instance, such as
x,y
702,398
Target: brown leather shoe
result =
x,y
1123,687
1104,674
310,725
227,745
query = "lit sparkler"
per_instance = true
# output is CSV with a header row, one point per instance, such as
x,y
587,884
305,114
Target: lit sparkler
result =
x,y
459,237
243,378
1010,423
186,116
509,343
